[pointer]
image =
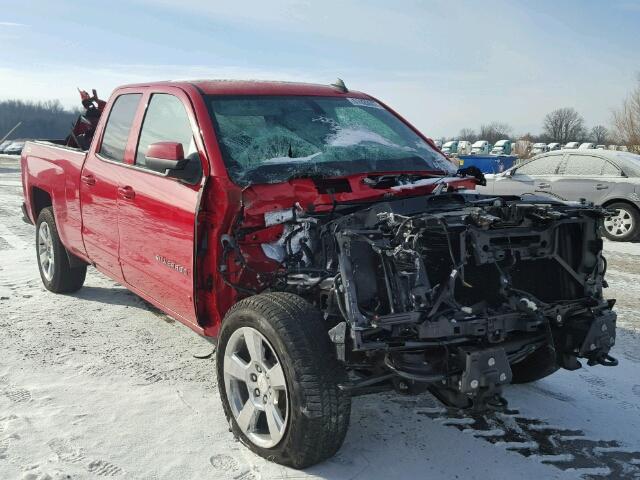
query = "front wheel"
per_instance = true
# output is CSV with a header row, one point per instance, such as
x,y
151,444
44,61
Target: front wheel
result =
x,y
53,261
278,377
624,225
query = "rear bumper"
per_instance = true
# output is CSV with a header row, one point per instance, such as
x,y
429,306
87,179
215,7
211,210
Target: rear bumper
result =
x,y
25,215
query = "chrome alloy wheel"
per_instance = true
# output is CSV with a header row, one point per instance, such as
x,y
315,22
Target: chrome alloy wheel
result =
x,y
256,388
46,256
619,224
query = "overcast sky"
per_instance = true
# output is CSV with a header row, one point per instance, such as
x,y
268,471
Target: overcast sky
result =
x,y
443,64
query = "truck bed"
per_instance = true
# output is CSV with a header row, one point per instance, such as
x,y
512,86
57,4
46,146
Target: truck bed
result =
x,y
51,177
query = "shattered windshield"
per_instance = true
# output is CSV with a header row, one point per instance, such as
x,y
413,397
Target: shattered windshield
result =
x,y
270,139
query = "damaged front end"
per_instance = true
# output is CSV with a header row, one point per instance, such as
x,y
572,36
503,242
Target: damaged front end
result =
x,y
451,292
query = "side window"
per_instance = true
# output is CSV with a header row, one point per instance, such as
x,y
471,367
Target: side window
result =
x,y
116,132
610,170
541,166
166,120
584,165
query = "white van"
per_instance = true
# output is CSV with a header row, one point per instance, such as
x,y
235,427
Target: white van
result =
x,y
539,148
464,147
587,146
572,145
553,146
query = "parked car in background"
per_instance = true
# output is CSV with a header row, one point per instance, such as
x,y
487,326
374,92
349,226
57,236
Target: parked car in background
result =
x,y
502,147
438,143
601,147
450,147
571,145
587,146
464,147
554,146
15,148
5,144
610,179
539,148
481,147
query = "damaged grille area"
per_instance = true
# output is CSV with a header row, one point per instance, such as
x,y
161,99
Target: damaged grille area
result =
x,y
451,291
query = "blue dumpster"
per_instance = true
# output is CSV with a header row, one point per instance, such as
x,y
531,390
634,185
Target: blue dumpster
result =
x,y
488,163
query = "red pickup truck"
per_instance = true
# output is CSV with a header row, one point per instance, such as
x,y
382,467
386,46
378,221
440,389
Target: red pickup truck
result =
x,y
329,246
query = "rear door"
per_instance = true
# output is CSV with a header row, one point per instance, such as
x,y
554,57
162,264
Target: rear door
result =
x,y
99,185
585,176
157,213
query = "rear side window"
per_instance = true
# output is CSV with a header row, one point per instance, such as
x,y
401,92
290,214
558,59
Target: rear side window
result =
x,y
610,170
584,165
116,132
166,120
541,166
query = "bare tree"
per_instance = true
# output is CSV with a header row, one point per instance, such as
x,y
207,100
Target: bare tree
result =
x,y
599,134
39,119
495,131
626,121
468,134
532,138
564,125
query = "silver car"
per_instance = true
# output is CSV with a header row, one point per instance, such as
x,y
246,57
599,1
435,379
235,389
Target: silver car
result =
x,y
5,144
607,178
15,148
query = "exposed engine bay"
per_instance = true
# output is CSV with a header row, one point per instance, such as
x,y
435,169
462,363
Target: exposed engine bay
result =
x,y
449,292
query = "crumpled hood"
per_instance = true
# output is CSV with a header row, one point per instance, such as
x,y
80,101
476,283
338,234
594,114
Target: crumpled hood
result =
x,y
320,195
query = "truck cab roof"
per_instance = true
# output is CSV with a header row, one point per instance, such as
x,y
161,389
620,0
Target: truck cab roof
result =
x,y
254,87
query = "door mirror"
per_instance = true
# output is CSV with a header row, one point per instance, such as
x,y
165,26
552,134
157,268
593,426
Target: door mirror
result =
x,y
165,157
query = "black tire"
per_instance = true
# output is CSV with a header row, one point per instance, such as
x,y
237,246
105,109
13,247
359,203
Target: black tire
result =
x,y
536,366
318,410
633,216
64,279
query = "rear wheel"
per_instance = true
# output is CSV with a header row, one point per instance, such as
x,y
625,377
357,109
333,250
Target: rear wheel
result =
x,y
53,261
536,366
278,378
624,225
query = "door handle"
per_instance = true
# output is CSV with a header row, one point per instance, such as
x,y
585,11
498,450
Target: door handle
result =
x,y
126,192
88,179
544,185
601,186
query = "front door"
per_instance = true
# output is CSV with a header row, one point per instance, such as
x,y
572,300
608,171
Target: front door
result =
x,y
157,213
535,177
99,187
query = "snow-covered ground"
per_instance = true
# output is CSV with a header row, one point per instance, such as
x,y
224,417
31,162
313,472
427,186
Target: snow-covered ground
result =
x,y
99,384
